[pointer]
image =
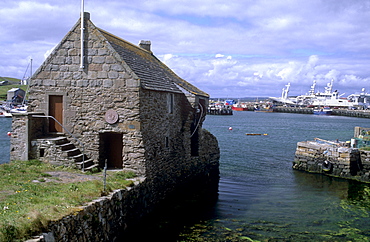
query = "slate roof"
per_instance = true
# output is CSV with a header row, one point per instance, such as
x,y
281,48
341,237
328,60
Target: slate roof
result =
x,y
153,74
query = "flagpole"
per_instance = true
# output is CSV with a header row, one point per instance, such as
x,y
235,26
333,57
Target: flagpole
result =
x,y
82,34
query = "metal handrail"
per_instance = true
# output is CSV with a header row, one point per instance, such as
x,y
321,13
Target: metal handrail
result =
x,y
78,141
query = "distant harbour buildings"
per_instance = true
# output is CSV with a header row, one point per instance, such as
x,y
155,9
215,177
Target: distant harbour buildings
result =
x,y
306,103
328,98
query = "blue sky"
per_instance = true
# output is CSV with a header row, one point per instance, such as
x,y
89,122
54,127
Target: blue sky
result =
x,y
227,48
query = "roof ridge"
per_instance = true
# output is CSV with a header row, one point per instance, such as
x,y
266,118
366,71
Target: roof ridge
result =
x,y
122,40
198,91
151,58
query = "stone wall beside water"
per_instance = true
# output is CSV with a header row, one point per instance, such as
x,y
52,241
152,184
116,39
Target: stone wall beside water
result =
x,y
332,159
109,218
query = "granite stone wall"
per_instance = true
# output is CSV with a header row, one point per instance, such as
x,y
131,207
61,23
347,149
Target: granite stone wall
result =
x,y
332,160
160,132
108,218
89,94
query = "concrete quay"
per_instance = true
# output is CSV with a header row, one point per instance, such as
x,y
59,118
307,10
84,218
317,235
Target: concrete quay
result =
x,y
338,112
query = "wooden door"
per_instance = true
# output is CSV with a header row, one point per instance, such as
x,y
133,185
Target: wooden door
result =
x,y
55,110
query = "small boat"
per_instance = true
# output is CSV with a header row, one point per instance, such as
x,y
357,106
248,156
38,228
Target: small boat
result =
x,y
5,114
323,111
256,134
265,108
236,108
18,110
239,106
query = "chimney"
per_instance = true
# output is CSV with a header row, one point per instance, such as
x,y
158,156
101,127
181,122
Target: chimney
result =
x,y
145,44
87,15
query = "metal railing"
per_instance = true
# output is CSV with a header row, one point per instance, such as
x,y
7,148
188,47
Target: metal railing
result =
x,y
78,141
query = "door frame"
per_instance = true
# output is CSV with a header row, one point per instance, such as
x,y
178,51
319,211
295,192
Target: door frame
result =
x,y
111,149
53,127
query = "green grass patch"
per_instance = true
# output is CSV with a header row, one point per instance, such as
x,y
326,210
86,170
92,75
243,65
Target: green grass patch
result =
x,y
4,90
30,197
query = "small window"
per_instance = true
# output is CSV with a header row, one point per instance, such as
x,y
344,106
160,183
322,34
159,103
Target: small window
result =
x,y
167,142
42,152
170,102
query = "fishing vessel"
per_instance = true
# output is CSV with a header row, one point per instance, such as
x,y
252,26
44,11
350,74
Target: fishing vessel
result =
x,y
239,106
361,100
322,111
327,98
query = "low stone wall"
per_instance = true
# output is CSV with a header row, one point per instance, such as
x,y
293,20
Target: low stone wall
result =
x,y
104,219
22,125
51,153
332,159
110,218
365,162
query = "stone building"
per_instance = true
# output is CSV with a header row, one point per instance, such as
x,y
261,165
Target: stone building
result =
x,y
115,104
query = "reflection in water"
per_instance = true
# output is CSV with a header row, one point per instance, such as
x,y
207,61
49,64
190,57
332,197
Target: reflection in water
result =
x,y
322,209
262,198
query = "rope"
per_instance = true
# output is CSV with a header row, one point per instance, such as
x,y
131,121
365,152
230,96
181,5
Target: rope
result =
x,y
201,114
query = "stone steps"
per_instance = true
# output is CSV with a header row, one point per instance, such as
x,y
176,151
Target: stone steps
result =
x,y
67,146
87,164
73,152
70,152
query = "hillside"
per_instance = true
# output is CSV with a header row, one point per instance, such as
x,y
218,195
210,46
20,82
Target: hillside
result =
x,y
10,83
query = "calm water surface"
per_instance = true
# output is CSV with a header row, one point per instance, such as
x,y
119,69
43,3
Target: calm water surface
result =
x,y
5,127
262,198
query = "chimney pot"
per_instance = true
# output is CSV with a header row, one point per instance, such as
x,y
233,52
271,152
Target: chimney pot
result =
x,y
86,15
145,44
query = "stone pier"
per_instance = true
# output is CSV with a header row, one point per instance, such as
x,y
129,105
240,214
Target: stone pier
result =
x,y
333,159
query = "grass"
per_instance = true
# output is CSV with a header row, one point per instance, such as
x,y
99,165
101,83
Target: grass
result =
x,y
27,202
13,82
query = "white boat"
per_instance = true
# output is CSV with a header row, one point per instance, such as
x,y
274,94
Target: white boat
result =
x,y
284,97
328,98
361,100
22,109
322,111
5,114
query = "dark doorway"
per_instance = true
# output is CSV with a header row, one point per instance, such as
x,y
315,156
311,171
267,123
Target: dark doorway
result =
x,y
111,146
55,110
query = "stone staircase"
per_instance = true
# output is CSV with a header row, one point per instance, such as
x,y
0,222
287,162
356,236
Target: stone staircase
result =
x,y
60,151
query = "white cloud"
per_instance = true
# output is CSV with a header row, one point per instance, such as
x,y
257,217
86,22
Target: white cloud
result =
x,y
243,48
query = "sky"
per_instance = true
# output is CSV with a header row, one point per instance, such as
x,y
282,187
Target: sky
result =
x,y
230,49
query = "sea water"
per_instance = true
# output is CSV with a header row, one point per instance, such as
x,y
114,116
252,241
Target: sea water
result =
x,y
262,198
5,127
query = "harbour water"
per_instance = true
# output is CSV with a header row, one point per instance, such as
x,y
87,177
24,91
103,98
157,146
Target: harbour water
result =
x,y
5,127
262,198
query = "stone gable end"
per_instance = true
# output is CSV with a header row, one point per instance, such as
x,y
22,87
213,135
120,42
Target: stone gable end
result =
x,y
124,107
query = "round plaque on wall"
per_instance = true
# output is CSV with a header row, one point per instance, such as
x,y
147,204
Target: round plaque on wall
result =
x,y
111,116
